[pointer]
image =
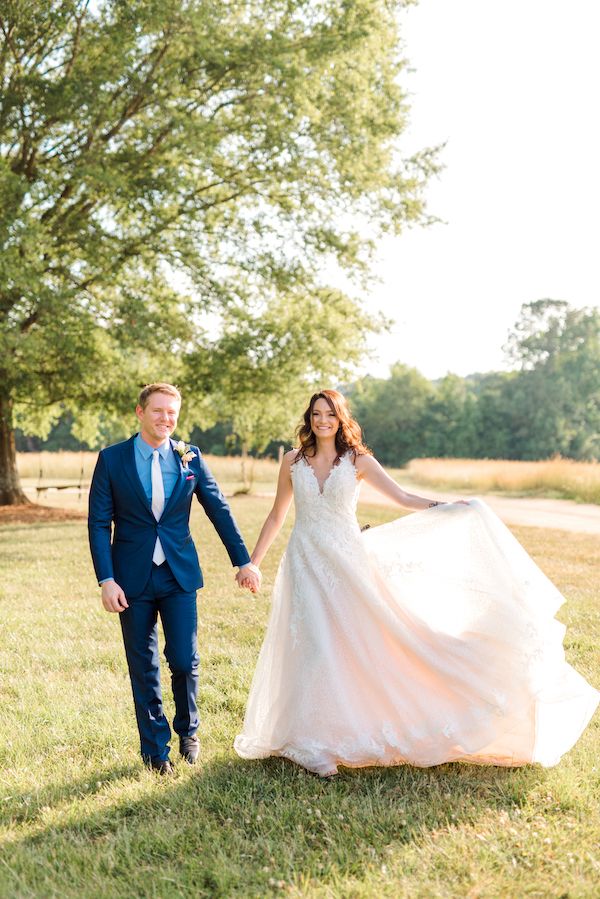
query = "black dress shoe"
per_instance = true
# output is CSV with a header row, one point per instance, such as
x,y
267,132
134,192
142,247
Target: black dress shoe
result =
x,y
161,766
189,749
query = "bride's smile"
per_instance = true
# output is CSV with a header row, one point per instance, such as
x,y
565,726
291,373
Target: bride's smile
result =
x,y
324,421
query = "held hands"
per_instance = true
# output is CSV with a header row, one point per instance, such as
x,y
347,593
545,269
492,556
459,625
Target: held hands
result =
x,y
113,598
249,576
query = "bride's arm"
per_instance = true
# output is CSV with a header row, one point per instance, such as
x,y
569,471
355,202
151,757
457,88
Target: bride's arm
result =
x,y
370,471
276,516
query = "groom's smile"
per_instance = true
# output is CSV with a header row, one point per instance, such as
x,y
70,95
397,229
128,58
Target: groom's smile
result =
x,y
158,418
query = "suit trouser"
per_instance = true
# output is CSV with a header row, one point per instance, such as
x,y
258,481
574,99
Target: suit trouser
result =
x,y
162,596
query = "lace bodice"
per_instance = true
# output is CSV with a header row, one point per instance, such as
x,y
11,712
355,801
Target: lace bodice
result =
x,y
334,504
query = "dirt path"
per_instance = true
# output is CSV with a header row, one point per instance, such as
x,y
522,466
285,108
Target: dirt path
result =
x,y
36,514
558,514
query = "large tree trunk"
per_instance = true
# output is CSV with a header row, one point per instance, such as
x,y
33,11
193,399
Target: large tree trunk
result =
x,y
10,484
247,478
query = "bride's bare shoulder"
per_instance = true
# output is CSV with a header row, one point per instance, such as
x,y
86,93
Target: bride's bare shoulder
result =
x,y
364,463
286,467
290,456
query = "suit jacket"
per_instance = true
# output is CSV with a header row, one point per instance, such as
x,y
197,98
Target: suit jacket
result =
x,y
119,504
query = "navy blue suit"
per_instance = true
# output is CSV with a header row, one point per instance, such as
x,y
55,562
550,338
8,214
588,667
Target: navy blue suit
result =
x,y
123,532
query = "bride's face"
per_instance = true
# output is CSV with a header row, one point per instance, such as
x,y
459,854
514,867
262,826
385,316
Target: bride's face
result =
x,y
324,422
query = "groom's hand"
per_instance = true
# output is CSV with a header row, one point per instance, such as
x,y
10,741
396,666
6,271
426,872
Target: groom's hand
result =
x,y
249,576
113,598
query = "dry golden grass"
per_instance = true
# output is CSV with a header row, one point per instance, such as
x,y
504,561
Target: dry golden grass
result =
x,y
62,468
560,478
56,467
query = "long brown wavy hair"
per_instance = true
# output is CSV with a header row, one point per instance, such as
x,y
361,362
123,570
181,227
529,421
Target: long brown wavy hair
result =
x,y
349,434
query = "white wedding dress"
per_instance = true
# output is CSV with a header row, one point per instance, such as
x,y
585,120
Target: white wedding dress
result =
x,y
426,640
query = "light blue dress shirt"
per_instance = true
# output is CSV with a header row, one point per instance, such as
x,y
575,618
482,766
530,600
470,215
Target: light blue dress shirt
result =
x,y
169,465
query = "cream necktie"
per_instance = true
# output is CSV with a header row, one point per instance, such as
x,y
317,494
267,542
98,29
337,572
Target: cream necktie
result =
x,y
158,504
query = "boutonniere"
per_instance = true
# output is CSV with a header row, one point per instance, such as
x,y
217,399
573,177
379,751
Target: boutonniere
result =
x,y
185,452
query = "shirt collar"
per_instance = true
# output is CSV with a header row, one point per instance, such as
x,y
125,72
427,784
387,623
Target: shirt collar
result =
x,y
146,450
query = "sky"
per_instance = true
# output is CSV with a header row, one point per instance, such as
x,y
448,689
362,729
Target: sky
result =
x,y
512,88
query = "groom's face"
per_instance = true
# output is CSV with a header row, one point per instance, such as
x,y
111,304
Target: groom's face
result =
x,y
158,418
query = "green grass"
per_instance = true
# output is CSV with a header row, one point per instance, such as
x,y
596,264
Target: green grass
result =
x,y
79,816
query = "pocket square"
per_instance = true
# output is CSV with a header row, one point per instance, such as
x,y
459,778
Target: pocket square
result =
x,y
190,477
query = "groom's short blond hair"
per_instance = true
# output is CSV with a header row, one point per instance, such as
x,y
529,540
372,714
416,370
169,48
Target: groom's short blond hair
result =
x,y
159,387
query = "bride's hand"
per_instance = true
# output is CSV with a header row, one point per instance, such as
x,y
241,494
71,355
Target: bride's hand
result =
x,y
250,582
249,577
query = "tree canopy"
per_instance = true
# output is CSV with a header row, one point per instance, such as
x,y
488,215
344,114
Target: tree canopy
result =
x,y
159,161
258,374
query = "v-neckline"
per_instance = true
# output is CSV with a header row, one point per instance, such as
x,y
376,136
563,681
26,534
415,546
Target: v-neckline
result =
x,y
321,487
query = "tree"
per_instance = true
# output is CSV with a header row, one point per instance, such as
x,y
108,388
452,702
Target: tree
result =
x,y
392,413
557,391
260,373
162,160
501,423
449,428
542,332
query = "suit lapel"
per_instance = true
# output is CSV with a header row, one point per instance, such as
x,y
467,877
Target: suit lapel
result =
x,y
132,475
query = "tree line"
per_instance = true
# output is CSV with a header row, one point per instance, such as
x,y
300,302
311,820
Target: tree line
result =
x,y
548,404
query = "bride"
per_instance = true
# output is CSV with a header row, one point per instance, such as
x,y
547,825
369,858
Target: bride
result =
x,y
422,641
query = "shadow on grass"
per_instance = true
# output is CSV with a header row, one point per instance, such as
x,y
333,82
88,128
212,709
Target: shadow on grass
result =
x,y
233,828
20,807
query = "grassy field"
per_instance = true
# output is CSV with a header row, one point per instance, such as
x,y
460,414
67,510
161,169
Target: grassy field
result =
x,y
557,478
80,817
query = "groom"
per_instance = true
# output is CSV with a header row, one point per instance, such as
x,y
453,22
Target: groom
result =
x,y
142,492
